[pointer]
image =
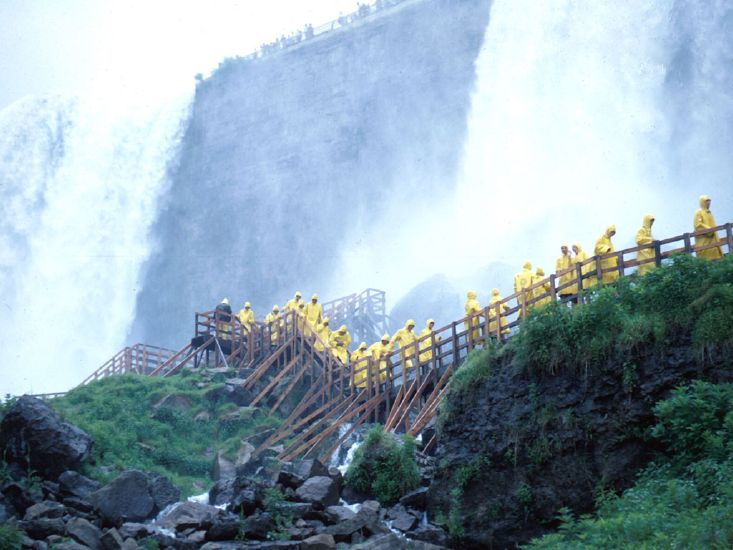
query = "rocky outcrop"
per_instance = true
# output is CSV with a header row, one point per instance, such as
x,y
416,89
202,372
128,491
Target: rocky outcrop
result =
x,y
32,436
519,446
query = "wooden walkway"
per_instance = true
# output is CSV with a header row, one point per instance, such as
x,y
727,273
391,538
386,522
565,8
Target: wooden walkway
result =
x,y
401,391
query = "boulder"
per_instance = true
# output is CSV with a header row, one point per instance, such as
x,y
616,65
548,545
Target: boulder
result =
x,y
365,522
294,474
190,515
259,525
133,530
321,491
18,498
244,454
402,520
74,484
339,513
7,510
126,498
43,527
69,545
84,532
415,499
112,540
223,468
318,542
45,509
225,528
429,533
164,493
32,432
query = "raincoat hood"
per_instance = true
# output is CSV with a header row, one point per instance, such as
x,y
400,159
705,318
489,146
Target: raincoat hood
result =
x,y
342,329
610,229
225,301
325,320
648,219
703,200
429,322
385,337
527,265
494,291
580,248
247,305
540,271
362,346
298,294
471,295
409,323
314,297
275,308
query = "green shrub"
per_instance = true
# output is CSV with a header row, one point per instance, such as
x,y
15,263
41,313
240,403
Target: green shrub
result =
x,y
384,467
10,537
128,433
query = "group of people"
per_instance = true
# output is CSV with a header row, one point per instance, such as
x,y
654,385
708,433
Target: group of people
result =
x,y
418,348
566,268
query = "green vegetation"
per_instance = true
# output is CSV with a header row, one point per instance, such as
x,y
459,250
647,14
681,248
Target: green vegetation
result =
x,y
689,297
685,499
10,537
383,467
180,442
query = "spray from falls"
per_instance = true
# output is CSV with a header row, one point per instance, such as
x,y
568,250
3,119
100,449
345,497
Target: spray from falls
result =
x,y
584,114
81,185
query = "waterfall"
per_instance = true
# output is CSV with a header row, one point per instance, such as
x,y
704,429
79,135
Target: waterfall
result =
x,y
80,183
582,118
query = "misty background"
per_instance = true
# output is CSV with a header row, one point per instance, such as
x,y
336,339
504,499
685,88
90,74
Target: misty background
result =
x,y
426,149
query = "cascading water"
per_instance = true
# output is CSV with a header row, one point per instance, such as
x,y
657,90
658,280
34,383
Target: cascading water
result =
x,y
81,183
584,114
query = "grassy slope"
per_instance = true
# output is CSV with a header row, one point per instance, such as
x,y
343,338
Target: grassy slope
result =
x,y
118,413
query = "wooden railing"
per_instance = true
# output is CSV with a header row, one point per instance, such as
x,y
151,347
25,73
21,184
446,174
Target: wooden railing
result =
x,y
140,358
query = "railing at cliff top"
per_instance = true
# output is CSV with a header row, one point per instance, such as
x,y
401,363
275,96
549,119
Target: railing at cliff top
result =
x,y
140,358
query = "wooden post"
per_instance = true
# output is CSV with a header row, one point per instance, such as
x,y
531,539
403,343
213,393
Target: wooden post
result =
x,y
456,354
599,269
498,321
688,244
729,236
620,263
524,303
657,254
553,290
579,275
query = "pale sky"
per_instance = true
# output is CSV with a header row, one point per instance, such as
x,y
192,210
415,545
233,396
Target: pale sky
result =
x,y
136,48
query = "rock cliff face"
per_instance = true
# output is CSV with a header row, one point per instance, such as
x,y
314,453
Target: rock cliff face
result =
x,y
285,155
521,447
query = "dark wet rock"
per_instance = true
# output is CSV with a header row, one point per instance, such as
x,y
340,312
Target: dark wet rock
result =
x,y
45,509
79,504
319,542
164,493
188,515
401,518
7,510
130,544
111,540
352,496
43,527
32,429
126,498
429,533
339,513
223,468
74,484
38,545
365,522
133,530
300,533
70,545
321,491
294,474
259,525
84,532
226,528
542,442
415,499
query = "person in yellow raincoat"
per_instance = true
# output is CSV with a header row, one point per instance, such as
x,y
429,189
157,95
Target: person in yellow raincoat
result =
x,y
496,298
605,246
565,263
313,315
360,366
223,319
274,320
541,292
324,333
403,339
293,303
339,341
472,307
246,316
300,316
425,342
379,352
522,280
644,237
579,258
704,220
